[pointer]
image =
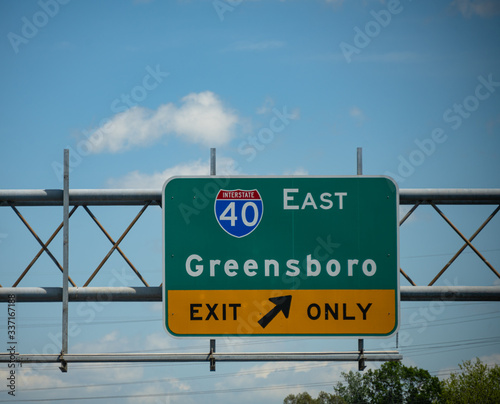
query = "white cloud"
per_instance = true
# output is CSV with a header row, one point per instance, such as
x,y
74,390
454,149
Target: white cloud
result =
x,y
298,375
115,341
139,180
159,342
30,377
267,369
482,8
201,118
160,391
107,343
490,360
40,376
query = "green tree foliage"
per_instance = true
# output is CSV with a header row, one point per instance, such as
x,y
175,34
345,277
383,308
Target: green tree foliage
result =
x,y
476,383
395,383
392,383
356,390
305,398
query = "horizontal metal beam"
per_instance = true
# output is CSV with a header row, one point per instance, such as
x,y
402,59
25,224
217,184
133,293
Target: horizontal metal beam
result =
x,y
154,294
440,196
372,356
54,197
101,294
450,293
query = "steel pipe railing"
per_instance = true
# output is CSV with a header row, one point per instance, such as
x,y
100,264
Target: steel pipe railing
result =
x,y
154,293
54,197
354,356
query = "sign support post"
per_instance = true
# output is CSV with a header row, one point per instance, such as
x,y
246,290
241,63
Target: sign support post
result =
x,y
361,342
64,348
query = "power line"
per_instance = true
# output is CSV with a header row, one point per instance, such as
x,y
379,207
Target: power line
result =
x,y
181,393
444,322
188,393
218,375
448,344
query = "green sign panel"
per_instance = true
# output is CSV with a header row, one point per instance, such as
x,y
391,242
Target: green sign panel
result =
x,y
261,256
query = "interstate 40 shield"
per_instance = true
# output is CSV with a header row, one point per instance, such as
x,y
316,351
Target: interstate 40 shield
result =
x,y
238,211
281,256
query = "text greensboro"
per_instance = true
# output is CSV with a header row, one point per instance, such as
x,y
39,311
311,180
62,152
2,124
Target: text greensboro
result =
x,y
195,267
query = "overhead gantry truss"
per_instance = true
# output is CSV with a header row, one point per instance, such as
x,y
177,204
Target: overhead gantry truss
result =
x,y
85,199
150,199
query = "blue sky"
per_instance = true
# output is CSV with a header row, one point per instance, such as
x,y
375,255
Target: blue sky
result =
x,y
140,90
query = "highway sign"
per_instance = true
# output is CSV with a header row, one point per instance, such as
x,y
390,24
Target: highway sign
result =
x,y
281,256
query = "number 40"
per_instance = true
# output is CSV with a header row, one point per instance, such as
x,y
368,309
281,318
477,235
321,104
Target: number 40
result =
x,y
230,214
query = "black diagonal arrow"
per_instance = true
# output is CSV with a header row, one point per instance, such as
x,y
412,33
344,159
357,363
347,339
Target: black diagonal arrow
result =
x,y
282,304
